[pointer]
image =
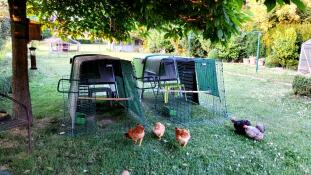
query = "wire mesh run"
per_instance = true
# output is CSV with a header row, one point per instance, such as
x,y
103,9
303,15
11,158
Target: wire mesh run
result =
x,y
198,96
91,112
12,119
179,109
101,91
195,94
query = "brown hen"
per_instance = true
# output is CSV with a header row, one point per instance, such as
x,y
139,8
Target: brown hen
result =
x,y
136,134
182,136
254,133
158,130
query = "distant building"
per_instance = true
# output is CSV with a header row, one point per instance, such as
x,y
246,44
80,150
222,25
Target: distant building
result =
x,y
134,46
305,58
58,45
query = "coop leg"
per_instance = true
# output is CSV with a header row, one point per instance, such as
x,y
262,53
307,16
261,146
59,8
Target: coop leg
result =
x,y
166,91
142,91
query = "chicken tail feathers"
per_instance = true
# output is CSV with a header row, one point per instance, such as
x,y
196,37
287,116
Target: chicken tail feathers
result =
x,y
233,119
261,128
127,135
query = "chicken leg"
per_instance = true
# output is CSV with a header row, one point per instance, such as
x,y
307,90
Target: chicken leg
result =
x,y
140,141
184,145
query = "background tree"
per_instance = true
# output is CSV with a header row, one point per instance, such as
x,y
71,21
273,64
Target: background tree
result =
x,y
20,33
4,23
216,19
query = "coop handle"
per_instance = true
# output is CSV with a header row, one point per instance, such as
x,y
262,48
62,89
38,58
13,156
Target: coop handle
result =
x,y
64,91
105,99
183,91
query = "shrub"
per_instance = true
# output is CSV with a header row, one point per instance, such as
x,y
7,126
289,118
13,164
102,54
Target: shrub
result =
x,y
284,50
272,61
292,64
251,45
213,54
167,46
5,76
5,48
180,46
4,34
302,86
46,33
2,41
84,41
195,46
6,84
5,27
156,42
273,37
206,44
234,50
304,30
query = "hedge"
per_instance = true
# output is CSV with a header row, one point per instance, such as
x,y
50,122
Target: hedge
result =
x,y
302,85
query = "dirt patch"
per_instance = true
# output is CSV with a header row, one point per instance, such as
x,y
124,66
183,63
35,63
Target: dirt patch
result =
x,y
4,116
5,143
3,168
104,122
43,123
19,132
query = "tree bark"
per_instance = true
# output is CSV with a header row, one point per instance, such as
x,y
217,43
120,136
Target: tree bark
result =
x,y
20,33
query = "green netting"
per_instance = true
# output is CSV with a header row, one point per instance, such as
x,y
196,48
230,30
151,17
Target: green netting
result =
x,y
207,76
121,89
138,66
134,104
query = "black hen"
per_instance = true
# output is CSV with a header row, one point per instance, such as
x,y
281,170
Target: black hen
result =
x,y
238,125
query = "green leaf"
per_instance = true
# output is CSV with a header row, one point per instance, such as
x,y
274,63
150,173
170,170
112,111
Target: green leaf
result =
x,y
49,168
287,1
270,4
220,34
167,35
300,4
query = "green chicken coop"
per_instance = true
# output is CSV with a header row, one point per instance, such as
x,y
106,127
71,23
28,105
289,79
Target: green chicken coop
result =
x,y
99,78
185,90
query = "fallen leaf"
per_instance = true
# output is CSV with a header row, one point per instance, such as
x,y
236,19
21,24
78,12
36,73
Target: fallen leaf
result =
x,y
49,168
184,164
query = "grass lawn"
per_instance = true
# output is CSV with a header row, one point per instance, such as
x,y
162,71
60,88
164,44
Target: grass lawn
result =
x,y
265,97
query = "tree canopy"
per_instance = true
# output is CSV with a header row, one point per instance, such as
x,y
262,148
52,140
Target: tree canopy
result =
x,y
217,19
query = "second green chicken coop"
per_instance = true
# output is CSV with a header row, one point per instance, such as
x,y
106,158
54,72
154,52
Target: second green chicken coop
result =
x,y
184,90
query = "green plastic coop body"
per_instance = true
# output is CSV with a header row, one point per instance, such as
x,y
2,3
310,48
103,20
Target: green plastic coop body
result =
x,y
184,90
100,77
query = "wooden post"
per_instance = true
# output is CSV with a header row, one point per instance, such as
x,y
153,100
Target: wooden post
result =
x,y
20,36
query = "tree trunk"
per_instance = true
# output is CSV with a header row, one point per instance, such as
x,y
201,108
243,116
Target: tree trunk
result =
x,y
20,33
